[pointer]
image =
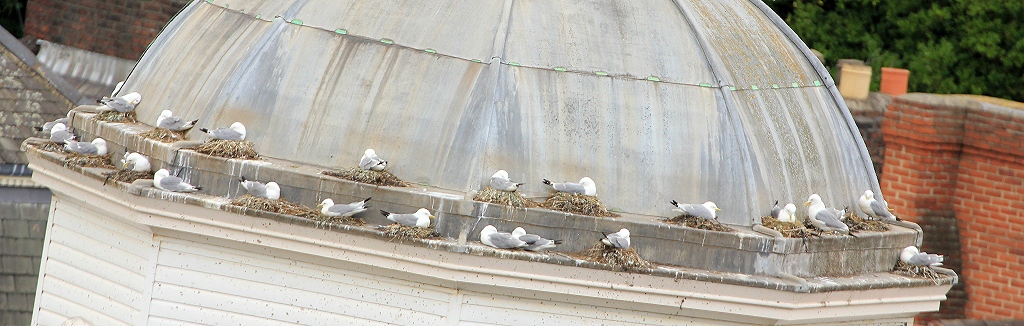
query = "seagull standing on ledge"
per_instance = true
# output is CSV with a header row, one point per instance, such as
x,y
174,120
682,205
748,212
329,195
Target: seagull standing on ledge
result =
x,y
164,180
500,181
501,240
371,161
822,218
586,186
706,210
874,208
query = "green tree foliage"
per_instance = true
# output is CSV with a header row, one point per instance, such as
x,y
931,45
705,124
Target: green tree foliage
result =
x,y
949,46
12,16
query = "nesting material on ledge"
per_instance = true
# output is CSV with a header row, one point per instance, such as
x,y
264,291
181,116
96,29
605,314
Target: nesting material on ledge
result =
x,y
380,178
695,222
88,161
127,176
402,232
789,230
50,146
237,149
164,135
916,271
577,204
495,196
856,223
283,207
625,258
114,116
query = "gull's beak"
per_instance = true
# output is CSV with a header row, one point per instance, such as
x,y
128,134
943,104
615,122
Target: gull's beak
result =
x,y
807,204
124,165
432,216
319,205
718,209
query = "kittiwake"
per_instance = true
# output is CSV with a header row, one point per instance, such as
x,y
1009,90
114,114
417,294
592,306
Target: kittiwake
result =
x,y
98,146
874,208
420,219
136,162
164,180
501,240
371,161
168,121
121,104
235,132
329,208
256,189
913,256
618,240
706,210
822,218
60,134
586,186
500,181
534,242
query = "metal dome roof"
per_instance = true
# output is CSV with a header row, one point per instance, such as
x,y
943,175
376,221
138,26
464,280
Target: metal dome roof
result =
x,y
654,100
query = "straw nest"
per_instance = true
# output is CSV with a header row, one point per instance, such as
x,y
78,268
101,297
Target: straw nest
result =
x,y
495,196
577,204
402,232
283,207
238,149
127,176
88,161
380,178
916,271
696,222
789,230
164,135
857,223
50,146
114,116
624,258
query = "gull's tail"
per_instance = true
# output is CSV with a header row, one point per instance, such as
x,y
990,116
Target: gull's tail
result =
x,y
385,213
547,182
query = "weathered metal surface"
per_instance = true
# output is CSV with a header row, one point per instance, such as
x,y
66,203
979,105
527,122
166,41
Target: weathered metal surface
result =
x,y
94,75
684,100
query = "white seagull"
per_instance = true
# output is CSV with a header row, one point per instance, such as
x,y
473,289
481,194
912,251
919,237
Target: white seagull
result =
x,y
235,132
586,186
329,208
60,134
168,121
913,256
121,104
786,214
501,240
500,181
98,146
371,161
271,190
136,162
420,219
706,210
618,240
164,180
534,242
874,208
822,218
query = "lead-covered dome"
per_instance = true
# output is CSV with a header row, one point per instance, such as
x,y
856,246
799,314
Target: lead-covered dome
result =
x,y
655,100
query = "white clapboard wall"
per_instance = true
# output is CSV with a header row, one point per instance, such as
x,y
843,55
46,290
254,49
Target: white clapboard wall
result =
x,y
113,273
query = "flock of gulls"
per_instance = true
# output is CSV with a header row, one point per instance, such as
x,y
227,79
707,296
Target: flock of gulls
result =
x,y
821,217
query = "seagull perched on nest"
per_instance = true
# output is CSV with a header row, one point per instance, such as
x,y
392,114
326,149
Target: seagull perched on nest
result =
x,y
269,191
706,210
168,121
60,134
501,240
121,104
371,161
344,210
534,242
420,219
618,240
49,125
913,256
136,162
586,186
98,146
874,208
786,214
500,181
235,132
164,180
826,219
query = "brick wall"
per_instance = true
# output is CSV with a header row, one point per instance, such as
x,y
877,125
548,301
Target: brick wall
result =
x,y
954,165
122,28
868,114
